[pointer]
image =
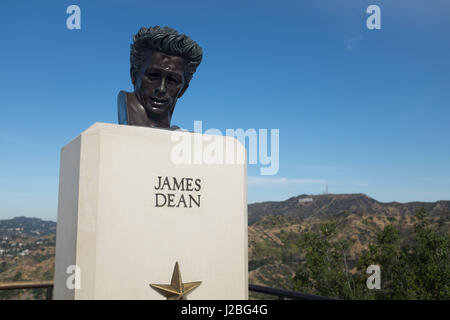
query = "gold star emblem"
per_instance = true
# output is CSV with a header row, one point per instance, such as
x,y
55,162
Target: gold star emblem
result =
x,y
176,290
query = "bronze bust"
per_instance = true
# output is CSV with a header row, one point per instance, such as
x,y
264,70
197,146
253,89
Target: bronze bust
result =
x,y
162,63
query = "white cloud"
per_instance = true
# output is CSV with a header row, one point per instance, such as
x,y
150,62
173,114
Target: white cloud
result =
x,y
283,180
324,167
352,42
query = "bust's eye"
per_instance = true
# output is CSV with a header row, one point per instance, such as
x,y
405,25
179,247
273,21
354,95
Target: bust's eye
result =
x,y
152,75
172,81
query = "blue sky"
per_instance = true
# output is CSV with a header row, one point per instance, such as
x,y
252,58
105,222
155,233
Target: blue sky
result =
x,y
366,110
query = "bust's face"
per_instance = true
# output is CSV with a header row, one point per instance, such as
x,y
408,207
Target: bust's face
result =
x,y
159,83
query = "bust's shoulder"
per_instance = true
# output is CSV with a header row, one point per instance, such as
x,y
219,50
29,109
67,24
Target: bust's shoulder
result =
x,y
125,97
130,110
122,107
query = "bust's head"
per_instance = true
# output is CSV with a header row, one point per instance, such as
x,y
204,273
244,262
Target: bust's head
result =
x,y
162,65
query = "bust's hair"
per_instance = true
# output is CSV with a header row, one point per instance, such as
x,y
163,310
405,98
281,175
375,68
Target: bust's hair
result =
x,y
168,41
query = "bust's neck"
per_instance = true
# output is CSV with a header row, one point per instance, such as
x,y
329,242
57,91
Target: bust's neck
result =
x,y
137,116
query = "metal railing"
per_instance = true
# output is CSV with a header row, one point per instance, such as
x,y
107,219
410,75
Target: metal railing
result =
x,y
280,293
286,294
29,285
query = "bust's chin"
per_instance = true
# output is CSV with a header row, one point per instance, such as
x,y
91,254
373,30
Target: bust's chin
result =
x,y
157,111
132,112
153,108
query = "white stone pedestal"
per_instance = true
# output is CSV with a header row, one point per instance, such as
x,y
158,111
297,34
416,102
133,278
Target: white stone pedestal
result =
x,y
123,236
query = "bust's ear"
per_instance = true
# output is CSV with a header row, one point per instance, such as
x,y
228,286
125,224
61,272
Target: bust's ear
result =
x,y
183,90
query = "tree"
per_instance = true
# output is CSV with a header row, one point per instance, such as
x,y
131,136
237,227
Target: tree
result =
x,y
387,254
420,270
428,261
325,270
416,270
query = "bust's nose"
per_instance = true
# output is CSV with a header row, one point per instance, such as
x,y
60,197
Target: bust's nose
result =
x,y
161,89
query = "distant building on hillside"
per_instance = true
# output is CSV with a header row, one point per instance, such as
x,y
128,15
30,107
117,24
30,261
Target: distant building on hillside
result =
x,y
25,252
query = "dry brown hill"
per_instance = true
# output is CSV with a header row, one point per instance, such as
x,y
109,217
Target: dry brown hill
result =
x,y
328,206
274,229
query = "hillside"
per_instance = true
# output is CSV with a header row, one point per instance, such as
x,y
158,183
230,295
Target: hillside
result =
x,y
328,206
27,245
24,227
275,227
